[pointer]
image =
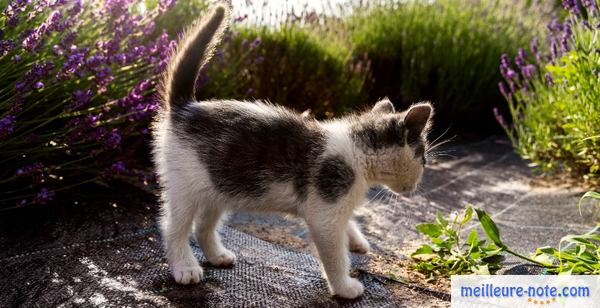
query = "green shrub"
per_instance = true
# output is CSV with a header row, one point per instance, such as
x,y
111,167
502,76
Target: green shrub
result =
x,y
290,66
555,100
445,51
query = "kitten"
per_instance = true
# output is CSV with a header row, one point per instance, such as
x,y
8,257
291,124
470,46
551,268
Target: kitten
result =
x,y
223,155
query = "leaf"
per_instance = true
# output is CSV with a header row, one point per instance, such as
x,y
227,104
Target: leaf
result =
x,y
432,230
472,238
399,279
481,269
495,259
440,219
543,258
424,253
589,194
489,227
468,215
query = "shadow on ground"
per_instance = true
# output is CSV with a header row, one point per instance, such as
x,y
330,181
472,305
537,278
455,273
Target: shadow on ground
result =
x,y
104,249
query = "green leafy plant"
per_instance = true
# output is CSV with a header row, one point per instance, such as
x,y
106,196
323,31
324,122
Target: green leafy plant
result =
x,y
576,254
553,96
449,254
446,255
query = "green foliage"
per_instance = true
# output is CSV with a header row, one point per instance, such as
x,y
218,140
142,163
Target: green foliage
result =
x,y
449,254
576,254
556,123
445,51
580,255
290,66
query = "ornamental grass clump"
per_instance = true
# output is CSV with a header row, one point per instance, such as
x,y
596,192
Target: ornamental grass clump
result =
x,y
289,65
445,51
553,91
76,92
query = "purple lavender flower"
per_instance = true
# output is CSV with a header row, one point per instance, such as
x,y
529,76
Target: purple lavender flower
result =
x,y
512,86
7,126
528,71
6,46
118,167
113,140
567,33
43,196
499,118
12,11
510,74
80,99
503,89
534,45
505,61
554,49
34,171
520,58
164,5
34,40
240,18
549,79
38,85
29,170
255,43
555,26
590,5
53,22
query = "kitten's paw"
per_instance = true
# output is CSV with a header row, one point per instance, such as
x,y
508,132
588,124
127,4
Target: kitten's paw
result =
x,y
351,288
187,274
223,258
360,246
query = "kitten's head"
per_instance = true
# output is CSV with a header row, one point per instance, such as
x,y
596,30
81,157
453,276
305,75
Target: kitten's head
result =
x,y
395,143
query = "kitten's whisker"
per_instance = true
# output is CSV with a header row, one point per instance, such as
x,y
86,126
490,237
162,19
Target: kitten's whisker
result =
x,y
434,146
440,136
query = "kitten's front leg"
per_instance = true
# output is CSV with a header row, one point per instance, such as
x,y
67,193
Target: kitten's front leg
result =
x,y
329,235
357,241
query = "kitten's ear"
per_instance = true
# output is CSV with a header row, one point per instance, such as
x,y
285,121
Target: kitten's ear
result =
x,y
417,119
383,106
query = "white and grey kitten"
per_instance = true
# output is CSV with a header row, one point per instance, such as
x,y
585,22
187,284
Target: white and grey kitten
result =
x,y
222,155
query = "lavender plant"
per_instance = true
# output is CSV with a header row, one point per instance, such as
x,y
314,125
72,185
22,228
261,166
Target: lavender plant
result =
x,y
76,93
554,95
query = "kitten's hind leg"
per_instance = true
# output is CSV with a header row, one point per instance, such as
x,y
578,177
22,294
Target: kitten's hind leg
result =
x,y
206,224
329,234
176,225
357,241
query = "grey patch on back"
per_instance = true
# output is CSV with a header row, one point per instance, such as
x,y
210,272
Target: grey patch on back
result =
x,y
245,152
334,178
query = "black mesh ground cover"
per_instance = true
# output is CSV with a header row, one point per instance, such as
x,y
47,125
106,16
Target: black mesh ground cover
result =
x,y
130,270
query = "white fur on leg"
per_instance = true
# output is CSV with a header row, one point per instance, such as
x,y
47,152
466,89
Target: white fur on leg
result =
x,y
176,225
329,235
357,241
206,224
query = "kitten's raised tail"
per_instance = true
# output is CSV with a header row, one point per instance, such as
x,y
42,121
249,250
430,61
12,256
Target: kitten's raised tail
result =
x,y
194,49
